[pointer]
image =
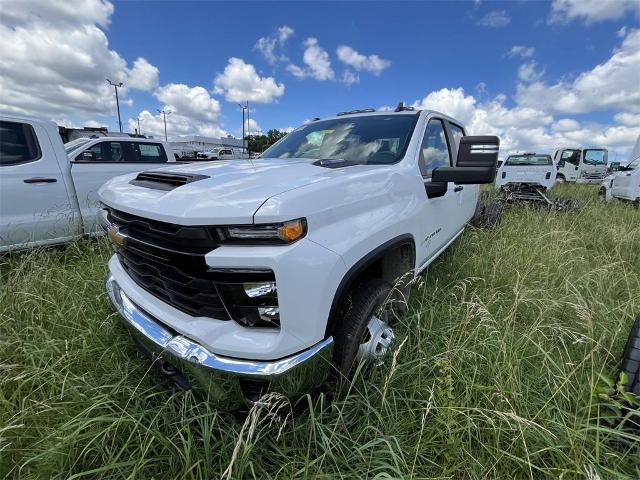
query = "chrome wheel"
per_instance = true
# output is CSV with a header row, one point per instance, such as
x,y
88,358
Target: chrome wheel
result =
x,y
376,342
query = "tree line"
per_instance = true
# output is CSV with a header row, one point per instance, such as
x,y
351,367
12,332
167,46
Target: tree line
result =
x,y
259,143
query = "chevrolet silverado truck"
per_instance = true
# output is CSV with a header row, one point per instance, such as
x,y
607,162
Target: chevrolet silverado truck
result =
x,y
49,190
247,277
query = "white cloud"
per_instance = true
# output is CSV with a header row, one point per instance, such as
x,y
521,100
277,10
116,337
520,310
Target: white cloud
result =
x,y
177,125
56,56
192,102
190,111
316,60
240,82
271,47
349,77
521,51
495,19
284,33
612,84
629,119
528,72
526,128
143,75
251,127
358,61
93,124
592,11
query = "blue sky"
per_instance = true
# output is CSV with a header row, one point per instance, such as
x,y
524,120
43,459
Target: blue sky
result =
x,y
536,73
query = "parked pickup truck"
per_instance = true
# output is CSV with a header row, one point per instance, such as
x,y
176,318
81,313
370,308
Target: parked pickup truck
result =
x,y
244,277
48,191
624,184
528,168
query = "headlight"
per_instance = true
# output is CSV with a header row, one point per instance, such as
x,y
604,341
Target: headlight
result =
x,y
271,233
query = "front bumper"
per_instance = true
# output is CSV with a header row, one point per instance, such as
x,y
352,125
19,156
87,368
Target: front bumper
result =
x,y
231,382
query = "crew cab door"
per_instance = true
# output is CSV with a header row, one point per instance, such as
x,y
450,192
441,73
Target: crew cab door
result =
x,y
35,207
440,217
569,164
108,158
624,180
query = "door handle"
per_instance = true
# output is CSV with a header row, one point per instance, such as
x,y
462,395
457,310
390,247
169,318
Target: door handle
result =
x,y
458,188
40,180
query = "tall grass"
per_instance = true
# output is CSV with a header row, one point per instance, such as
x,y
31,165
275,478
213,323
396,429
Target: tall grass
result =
x,y
498,359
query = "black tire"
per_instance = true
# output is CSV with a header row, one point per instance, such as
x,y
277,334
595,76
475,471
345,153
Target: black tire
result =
x,y
602,194
631,359
368,297
492,215
478,215
560,179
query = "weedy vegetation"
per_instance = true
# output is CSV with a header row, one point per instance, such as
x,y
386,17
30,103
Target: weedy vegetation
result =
x,y
511,338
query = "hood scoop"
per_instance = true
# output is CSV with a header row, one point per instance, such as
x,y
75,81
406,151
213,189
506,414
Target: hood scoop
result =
x,y
165,180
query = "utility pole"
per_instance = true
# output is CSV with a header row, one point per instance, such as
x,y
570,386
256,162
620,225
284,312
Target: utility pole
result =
x,y
164,116
116,85
243,109
248,130
139,131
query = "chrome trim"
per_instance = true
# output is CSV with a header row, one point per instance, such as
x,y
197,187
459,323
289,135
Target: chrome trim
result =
x,y
218,374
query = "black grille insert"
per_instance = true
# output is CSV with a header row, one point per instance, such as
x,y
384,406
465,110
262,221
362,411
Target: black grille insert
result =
x,y
167,261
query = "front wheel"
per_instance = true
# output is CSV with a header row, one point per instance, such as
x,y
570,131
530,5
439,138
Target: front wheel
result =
x,y
560,179
364,334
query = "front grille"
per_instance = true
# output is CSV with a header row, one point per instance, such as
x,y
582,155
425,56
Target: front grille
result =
x,y
168,261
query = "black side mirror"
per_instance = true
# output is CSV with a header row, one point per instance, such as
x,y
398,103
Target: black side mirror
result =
x,y
477,162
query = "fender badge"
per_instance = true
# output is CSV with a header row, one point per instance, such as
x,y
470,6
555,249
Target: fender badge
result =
x,y
116,237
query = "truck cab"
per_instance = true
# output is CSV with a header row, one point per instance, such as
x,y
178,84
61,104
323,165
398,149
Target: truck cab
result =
x,y
48,190
623,184
581,165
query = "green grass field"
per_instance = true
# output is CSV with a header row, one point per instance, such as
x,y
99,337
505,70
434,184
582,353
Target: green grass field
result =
x,y
498,361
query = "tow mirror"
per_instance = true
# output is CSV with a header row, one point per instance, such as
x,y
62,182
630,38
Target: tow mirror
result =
x,y
477,162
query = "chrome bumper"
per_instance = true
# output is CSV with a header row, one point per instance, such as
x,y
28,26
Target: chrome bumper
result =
x,y
230,381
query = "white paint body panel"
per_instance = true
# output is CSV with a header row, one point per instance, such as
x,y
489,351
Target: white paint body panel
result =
x,y
623,185
350,212
530,174
37,214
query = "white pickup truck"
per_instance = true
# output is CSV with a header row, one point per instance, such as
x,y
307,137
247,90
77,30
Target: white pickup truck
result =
x,y
242,277
48,191
624,184
528,168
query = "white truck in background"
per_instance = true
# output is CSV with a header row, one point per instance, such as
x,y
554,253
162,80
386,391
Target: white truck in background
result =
x,y
528,168
581,165
624,184
224,153
48,190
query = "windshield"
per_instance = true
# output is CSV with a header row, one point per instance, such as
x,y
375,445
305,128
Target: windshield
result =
x,y
73,144
371,139
595,157
529,160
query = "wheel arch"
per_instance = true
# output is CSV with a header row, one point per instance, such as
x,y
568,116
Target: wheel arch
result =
x,y
377,264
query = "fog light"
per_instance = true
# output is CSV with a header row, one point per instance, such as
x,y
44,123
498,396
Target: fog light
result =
x,y
257,290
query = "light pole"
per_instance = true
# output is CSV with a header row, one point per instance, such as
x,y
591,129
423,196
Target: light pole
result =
x,y
116,85
243,109
139,130
248,130
164,116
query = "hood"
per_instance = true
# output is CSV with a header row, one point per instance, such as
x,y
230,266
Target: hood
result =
x,y
224,192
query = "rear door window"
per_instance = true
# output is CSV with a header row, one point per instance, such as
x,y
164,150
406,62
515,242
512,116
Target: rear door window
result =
x,y
18,144
146,152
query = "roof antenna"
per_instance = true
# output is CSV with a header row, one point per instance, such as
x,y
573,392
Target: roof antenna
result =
x,y
400,107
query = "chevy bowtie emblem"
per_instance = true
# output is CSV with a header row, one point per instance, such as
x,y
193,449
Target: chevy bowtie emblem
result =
x,y
116,237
